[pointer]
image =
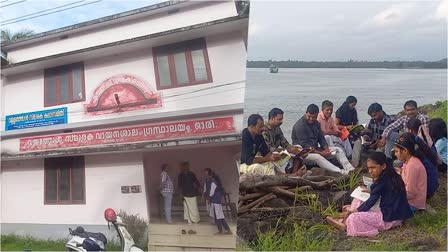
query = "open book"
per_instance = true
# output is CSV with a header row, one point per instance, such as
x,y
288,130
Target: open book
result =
x,y
358,128
283,162
363,196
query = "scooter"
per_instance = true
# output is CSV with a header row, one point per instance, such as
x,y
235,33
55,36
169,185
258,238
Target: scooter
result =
x,y
82,241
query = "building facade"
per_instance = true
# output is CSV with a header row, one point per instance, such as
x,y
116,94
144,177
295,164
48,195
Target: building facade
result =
x,y
91,111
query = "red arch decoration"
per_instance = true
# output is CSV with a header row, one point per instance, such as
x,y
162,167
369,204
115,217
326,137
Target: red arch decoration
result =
x,y
120,93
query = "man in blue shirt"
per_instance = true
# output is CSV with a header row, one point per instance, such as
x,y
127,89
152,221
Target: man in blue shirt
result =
x,y
255,154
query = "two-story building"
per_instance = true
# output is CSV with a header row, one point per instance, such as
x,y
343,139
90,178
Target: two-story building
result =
x,y
89,113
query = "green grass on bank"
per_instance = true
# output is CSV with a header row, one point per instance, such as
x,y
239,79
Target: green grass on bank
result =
x,y
21,243
422,232
439,111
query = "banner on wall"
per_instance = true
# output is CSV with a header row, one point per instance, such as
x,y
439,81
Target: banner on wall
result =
x,y
142,133
36,119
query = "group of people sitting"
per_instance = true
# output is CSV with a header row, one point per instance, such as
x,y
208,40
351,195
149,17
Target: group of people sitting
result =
x,y
418,144
190,188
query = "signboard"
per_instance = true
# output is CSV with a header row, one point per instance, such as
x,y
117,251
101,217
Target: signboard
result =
x,y
142,133
36,119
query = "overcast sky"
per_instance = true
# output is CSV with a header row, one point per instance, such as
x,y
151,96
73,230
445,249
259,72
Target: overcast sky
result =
x,y
343,30
302,29
92,9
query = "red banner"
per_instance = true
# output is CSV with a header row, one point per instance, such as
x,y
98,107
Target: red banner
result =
x,y
142,133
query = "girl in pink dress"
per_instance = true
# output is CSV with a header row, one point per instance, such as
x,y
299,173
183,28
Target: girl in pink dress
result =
x,y
388,187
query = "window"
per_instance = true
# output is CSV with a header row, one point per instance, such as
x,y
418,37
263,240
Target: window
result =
x,y
182,64
64,180
64,84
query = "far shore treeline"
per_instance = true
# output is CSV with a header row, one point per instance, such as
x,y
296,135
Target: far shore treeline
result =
x,y
441,64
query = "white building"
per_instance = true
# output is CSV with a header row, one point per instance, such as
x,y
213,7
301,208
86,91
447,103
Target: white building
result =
x,y
89,113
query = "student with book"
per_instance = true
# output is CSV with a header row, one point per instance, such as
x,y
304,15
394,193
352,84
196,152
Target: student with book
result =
x,y
362,218
413,171
333,135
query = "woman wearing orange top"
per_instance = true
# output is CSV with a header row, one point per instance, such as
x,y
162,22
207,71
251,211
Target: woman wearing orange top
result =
x,y
413,171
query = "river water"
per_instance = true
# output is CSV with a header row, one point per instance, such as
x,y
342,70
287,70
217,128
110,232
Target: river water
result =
x,y
293,90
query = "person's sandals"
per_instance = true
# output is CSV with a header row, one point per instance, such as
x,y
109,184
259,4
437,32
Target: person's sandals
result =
x,y
337,223
192,232
228,232
183,231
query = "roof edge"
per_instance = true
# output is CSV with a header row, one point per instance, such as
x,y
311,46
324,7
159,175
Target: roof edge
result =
x,y
96,21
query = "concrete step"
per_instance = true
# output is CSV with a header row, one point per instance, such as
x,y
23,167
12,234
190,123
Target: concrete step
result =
x,y
175,229
169,237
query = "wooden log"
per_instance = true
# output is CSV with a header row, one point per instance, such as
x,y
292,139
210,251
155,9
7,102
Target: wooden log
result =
x,y
300,189
246,208
250,181
252,195
263,201
281,191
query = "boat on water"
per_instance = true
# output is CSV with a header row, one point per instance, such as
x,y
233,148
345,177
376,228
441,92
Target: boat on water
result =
x,y
273,69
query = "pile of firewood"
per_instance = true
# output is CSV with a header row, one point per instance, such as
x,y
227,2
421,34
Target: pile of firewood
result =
x,y
264,200
256,190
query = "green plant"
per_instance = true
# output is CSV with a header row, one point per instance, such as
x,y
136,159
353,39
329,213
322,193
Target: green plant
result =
x,y
354,179
137,228
21,243
299,238
331,210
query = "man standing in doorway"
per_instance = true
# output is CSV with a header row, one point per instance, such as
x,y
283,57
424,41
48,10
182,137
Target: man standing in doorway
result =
x,y
166,189
189,186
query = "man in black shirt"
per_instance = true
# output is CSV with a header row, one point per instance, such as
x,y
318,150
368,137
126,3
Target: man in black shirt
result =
x,y
255,154
189,187
307,133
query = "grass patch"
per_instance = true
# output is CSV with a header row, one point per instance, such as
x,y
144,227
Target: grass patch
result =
x,y
439,111
21,243
300,238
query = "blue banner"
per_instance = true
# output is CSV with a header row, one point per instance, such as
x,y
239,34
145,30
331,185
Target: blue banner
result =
x,y
36,119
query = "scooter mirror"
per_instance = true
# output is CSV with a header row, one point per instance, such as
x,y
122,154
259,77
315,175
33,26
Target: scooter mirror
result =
x,y
110,215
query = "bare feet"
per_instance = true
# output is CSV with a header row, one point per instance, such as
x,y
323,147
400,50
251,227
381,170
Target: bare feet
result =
x,y
337,223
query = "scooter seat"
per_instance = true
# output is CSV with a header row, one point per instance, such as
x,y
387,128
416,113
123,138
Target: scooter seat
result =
x,y
98,236
79,231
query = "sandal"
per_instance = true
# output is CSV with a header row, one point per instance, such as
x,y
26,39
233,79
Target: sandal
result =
x,y
191,232
183,231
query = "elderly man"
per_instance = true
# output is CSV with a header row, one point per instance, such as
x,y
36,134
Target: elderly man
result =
x,y
330,130
189,186
390,133
307,133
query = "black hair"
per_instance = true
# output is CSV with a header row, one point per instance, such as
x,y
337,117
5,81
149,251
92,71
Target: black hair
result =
x,y
253,119
209,171
164,167
380,158
274,112
416,147
327,103
437,129
312,109
414,124
410,103
351,99
374,107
